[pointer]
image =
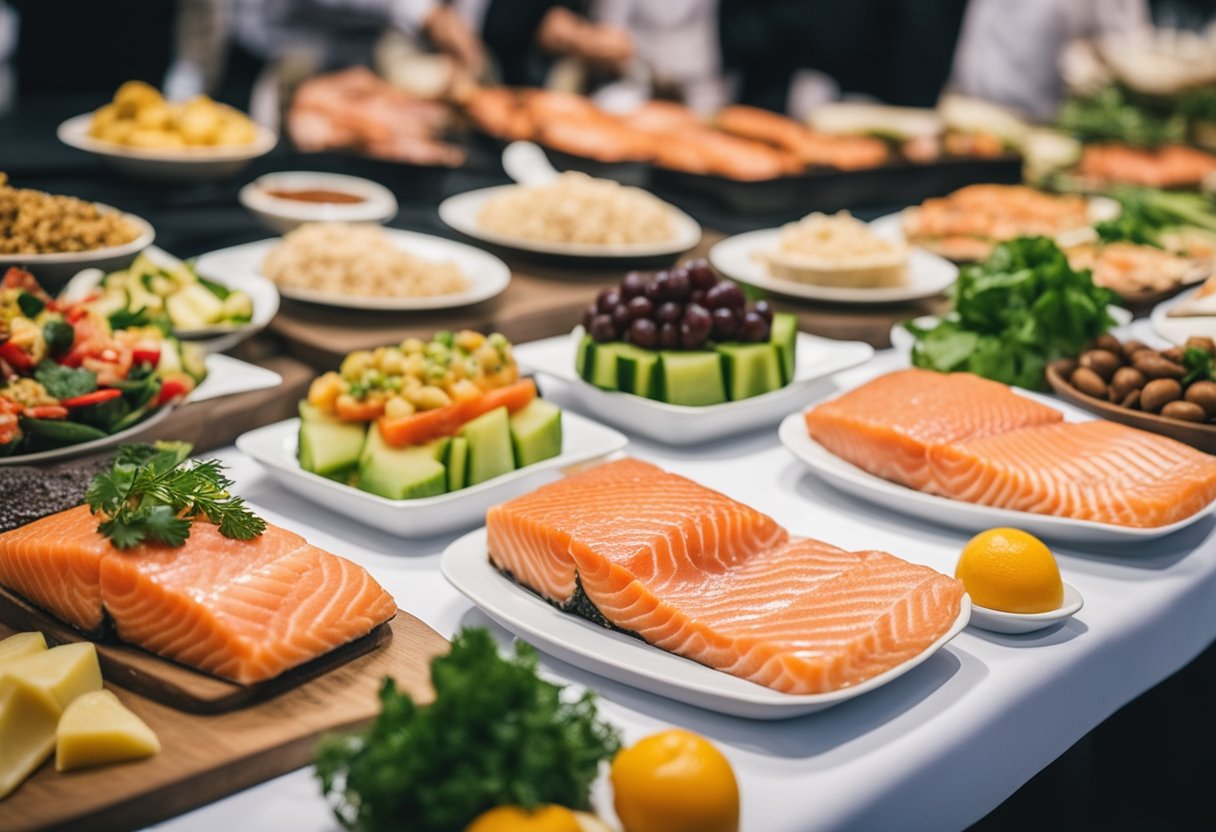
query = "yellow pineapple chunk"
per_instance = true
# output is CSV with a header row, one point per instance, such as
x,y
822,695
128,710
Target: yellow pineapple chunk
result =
x,y
21,645
97,729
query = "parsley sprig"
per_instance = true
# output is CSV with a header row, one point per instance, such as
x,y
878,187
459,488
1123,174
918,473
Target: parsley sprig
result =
x,y
152,494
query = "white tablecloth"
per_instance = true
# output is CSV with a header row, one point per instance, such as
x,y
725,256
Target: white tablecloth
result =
x,y
936,749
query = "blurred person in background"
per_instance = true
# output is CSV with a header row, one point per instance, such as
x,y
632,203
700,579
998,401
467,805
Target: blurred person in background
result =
x,y
527,38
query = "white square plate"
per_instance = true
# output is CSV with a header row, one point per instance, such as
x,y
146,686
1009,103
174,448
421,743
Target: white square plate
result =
x,y
673,424
274,446
623,658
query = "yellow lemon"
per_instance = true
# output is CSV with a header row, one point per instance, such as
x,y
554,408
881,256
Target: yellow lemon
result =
x,y
1010,570
675,781
518,819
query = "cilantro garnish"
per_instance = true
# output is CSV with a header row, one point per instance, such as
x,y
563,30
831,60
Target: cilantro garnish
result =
x,y
152,494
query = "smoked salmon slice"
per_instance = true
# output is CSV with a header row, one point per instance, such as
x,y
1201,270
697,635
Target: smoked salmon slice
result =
x,y
696,573
1099,471
887,426
244,610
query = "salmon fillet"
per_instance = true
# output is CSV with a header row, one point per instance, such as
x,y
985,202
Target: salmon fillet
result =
x,y
243,610
695,573
1099,471
887,425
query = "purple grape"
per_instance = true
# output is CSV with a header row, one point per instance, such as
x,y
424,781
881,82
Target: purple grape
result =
x,y
725,294
621,316
697,296
669,313
590,312
701,274
656,288
764,309
644,333
726,324
602,328
753,327
696,326
678,285
607,300
691,339
633,284
669,336
640,307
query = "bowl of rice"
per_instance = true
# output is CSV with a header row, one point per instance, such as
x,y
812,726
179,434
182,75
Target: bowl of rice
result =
x,y
574,214
364,266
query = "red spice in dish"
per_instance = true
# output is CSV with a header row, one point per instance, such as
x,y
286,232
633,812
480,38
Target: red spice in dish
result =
x,y
317,195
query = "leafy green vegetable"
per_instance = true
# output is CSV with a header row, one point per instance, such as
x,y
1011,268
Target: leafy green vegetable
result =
x,y
127,319
496,734
65,382
1111,114
1199,103
1013,314
1199,365
1129,228
152,494
30,305
1161,210
218,289
59,336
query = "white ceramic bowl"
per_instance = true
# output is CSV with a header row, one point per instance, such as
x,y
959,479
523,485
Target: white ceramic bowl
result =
x,y
1014,623
53,271
188,164
282,215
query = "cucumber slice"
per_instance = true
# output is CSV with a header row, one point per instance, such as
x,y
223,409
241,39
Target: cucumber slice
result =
x,y
584,356
329,446
458,463
784,334
751,369
691,378
536,432
402,473
599,366
490,451
637,371
61,432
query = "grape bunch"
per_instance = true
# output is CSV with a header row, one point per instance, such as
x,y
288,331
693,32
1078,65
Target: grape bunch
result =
x,y
681,308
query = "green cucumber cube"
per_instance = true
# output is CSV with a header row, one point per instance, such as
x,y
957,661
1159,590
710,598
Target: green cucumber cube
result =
x,y
691,378
402,473
490,451
784,334
458,463
751,369
536,432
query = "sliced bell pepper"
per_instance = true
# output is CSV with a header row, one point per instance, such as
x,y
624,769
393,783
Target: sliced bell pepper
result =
x,y
47,411
16,357
426,425
96,397
174,387
145,354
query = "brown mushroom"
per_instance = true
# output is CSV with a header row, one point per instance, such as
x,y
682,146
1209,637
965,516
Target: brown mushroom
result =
x,y
1125,380
1065,366
1186,411
1102,362
1108,342
1158,393
1131,401
1173,354
1132,347
1089,382
1203,393
1202,342
1156,365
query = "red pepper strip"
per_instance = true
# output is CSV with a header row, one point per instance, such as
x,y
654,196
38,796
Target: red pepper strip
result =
x,y
48,411
170,389
145,355
17,358
96,397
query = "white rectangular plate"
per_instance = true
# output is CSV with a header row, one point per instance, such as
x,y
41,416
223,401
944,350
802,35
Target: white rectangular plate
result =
x,y
673,424
274,446
623,658
970,517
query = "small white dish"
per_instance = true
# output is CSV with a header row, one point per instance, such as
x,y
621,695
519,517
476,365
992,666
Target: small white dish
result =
x,y
1177,330
274,447
927,274
673,424
1016,623
487,275
902,340
54,270
971,517
262,293
461,213
626,659
187,164
281,215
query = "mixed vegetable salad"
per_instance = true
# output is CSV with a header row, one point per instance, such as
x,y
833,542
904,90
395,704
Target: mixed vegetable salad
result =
x,y
70,374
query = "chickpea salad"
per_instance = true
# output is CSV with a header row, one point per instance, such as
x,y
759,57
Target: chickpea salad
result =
x,y
69,374
423,418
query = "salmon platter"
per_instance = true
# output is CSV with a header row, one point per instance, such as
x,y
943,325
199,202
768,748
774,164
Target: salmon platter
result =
x,y
667,593
972,453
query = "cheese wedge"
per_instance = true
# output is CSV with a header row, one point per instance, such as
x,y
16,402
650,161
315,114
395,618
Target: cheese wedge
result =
x,y
34,691
97,729
21,645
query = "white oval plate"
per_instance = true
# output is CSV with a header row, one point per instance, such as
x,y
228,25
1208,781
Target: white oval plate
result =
x,y
1015,623
195,164
928,274
282,215
54,270
262,293
274,447
673,424
1177,330
487,275
460,212
970,517
623,658
902,340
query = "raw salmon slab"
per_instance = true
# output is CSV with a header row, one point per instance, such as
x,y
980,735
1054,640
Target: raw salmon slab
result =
x,y
247,610
693,572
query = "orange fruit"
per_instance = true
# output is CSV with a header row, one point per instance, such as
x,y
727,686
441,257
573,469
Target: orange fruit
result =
x,y
675,781
1010,570
518,819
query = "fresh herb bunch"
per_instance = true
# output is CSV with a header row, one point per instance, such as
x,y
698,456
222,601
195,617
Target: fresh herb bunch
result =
x,y
1111,114
495,734
1200,365
1013,314
152,494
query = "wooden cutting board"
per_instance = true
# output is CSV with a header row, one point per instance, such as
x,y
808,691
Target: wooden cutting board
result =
x,y
204,758
174,684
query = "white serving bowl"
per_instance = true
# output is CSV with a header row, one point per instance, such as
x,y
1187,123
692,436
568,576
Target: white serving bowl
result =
x,y
53,271
281,215
185,164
